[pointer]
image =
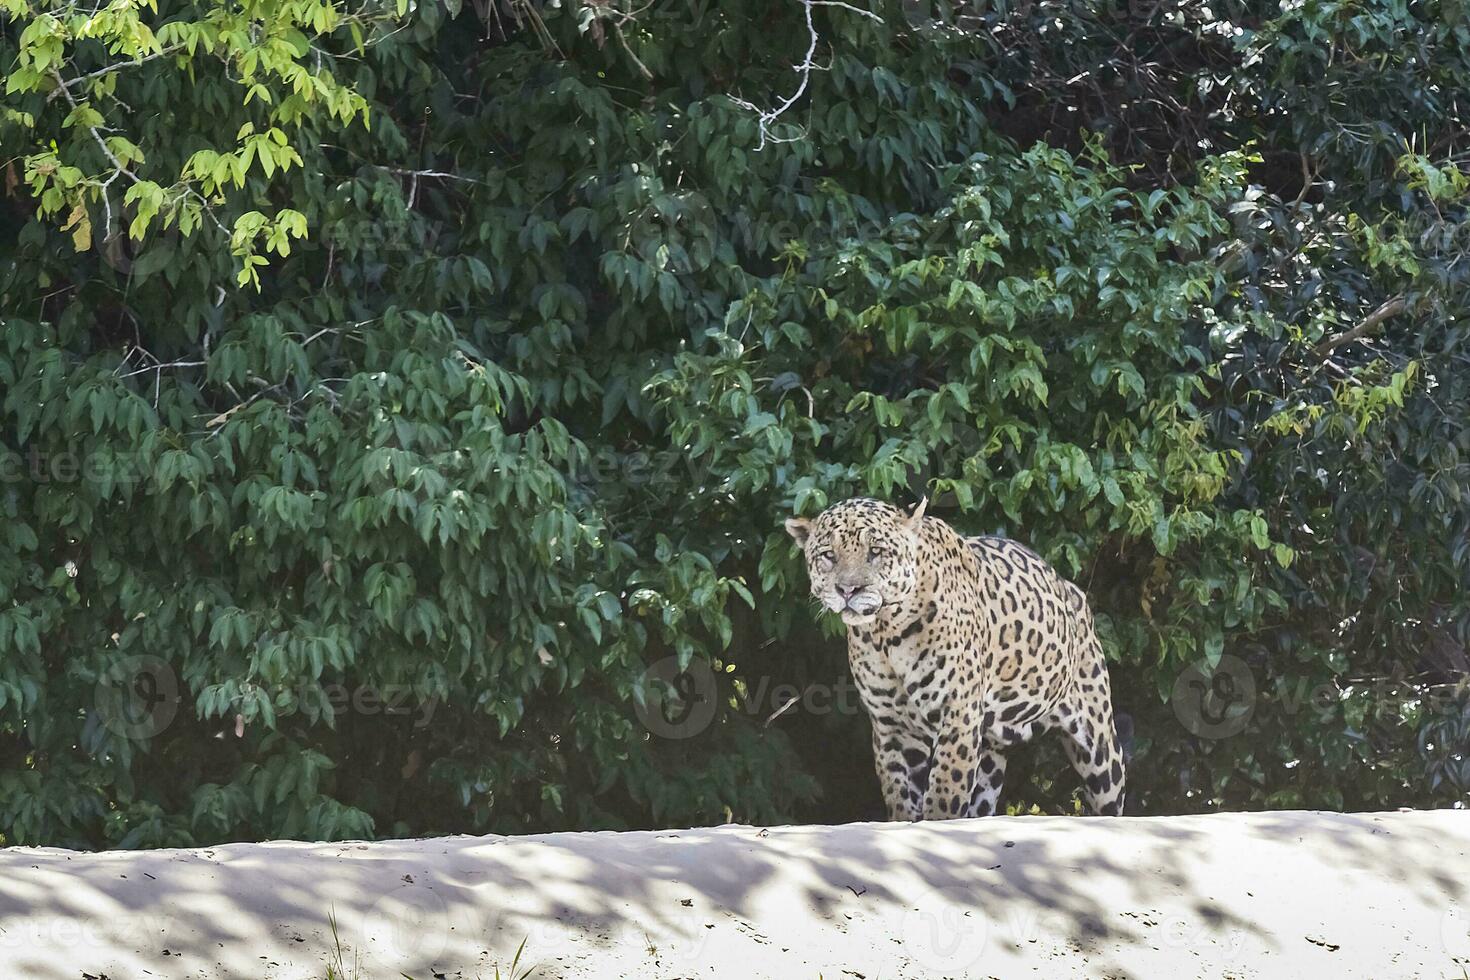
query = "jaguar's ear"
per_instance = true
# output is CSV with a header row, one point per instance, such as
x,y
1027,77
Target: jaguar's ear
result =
x,y
800,528
917,517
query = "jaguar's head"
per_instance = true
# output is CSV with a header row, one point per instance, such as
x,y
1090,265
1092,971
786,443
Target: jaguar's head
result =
x,y
862,557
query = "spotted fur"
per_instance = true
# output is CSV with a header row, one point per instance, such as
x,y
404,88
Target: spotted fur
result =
x,y
961,648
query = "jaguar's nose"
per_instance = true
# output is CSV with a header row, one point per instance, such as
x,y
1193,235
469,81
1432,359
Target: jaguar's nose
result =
x,y
848,591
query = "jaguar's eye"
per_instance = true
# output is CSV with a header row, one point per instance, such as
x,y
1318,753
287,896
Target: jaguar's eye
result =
x,y
826,560
875,553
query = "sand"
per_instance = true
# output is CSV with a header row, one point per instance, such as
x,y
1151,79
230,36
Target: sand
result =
x,y
1287,894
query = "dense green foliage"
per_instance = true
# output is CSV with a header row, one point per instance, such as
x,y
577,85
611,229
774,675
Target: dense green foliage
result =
x,y
396,384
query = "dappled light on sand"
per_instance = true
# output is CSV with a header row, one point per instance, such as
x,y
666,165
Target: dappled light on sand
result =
x,y
1279,894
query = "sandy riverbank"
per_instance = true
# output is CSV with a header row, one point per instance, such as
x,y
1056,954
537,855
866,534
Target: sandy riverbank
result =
x,y
1237,895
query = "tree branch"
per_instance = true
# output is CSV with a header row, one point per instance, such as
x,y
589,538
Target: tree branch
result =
x,y
106,151
1390,308
162,367
63,86
805,69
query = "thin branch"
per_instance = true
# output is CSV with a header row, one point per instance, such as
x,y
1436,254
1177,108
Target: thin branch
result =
x,y
783,709
844,6
414,175
63,86
1307,180
1390,308
618,29
106,150
160,367
767,117
118,167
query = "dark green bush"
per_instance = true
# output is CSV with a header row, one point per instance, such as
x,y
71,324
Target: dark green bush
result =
x,y
472,367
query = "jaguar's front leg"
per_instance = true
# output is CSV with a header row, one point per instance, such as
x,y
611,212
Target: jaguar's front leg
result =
x,y
955,768
991,775
902,760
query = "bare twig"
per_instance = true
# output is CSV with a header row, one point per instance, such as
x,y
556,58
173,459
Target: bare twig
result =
x,y
1390,308
63,86
769,116
405,172
117,165
844,6
1307,180
118,168
642,68
160,367
521,8
782,710
106,150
